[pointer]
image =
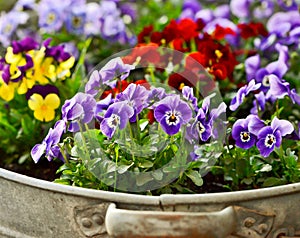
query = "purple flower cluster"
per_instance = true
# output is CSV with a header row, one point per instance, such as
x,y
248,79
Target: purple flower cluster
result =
x,y
78,17
250,131
266,82
171,111
81,18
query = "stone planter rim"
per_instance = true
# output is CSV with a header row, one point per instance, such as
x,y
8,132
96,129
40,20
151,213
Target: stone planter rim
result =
x,y
166,199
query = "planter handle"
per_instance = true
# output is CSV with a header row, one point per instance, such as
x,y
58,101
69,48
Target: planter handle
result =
x,y
219,224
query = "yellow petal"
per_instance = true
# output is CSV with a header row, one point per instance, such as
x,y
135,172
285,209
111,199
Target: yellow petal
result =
x,y
52,101
68,63
35,101
14,72
7,92
38,114
12,58
49,115
44,114
25,85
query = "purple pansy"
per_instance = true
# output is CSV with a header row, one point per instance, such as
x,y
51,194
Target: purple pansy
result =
x,y
200,129
278,68
22,5
24,45
241,8
242,93
188,94
116,116
280,88
205,123
9,23
92,21
108,75
79,109
57,52
264,9
190,8
270,137
112,25
258,104
135,96
155,95
75,20
52,14
241,134
171,113
288,5
252,64
49,145
115,68
282,24
102,106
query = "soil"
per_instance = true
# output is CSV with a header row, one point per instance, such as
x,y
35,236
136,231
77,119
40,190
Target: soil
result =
x,y
43,170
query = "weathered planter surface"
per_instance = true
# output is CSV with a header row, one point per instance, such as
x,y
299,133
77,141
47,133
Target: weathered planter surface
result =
x,y
34,208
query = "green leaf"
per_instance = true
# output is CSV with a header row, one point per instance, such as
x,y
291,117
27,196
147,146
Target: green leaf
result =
x,y
272,181
23,158
195,177
123,168
158,175
143,178
146,164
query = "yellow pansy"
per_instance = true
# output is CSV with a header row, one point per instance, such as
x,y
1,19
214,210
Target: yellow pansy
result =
x,y
14,59
41,70
63,69
7,91
44,108
24,85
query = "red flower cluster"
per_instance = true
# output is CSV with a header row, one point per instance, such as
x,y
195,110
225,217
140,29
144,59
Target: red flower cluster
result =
x,y
252,30
201,48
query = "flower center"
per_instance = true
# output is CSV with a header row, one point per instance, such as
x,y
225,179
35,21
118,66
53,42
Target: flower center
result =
x,y
266,81
270,140
218,53
200,127
172,118
288,3
44,107
76,21
51,18
245,136
113,121
264,5
8,28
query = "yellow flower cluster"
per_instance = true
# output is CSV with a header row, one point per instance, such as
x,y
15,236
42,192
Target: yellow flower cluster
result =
x,y
44,70
23,69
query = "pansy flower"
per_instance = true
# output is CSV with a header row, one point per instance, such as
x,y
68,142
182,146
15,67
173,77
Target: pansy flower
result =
x,y
171,113
49,146
242,93
241,134
135,96
116,116
44,108
79,109
270,137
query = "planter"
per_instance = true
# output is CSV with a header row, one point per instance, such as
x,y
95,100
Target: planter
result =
x,y
35,208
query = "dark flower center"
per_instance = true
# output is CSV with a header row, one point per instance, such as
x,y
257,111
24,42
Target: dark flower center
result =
x,y
270,140
172,118
200,127
266,81
76,21
113,121
245,136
